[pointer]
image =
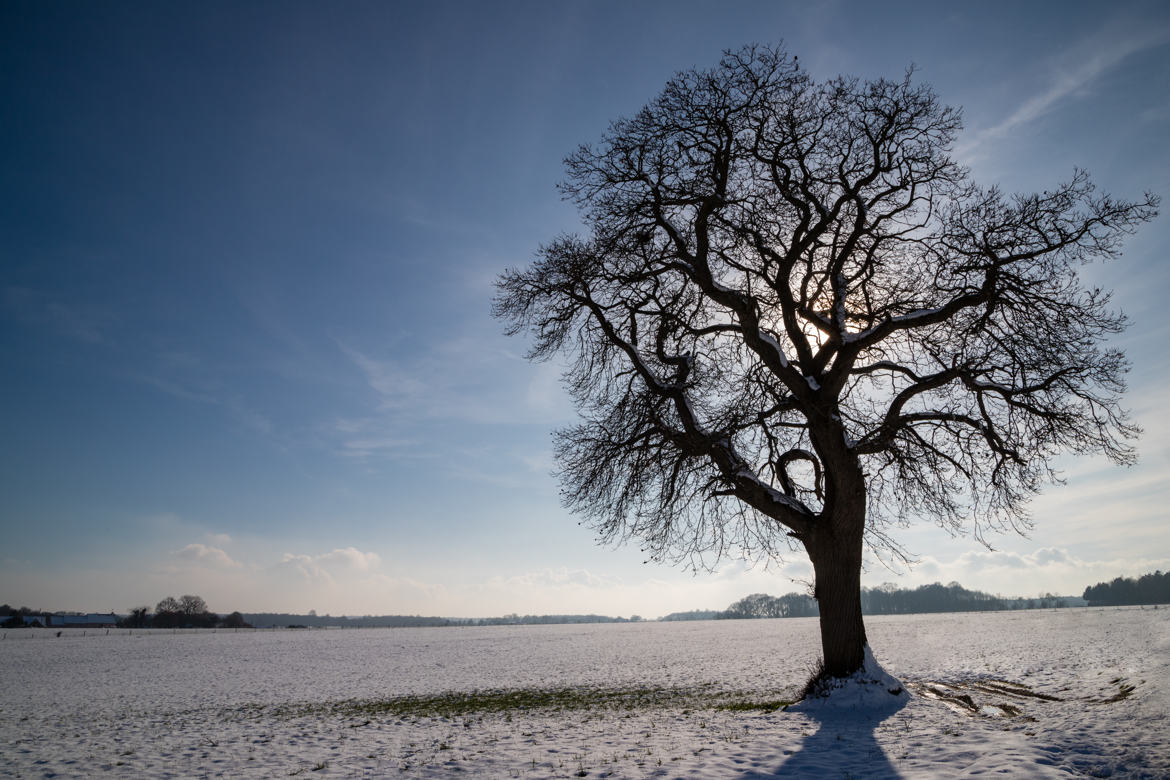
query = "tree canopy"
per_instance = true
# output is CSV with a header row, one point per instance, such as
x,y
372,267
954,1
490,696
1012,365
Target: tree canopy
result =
x,y
795,317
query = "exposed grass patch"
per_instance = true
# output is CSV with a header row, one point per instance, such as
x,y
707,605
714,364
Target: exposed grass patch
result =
x,y
818,682
1010,688
514,701
1124,691
756,706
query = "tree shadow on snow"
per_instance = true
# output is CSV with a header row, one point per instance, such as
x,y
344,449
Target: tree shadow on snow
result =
x,y
844,745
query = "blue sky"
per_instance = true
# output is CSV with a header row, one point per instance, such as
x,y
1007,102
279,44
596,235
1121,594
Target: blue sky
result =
x,y
246,262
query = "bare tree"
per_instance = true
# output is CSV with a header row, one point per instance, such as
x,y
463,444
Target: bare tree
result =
x,y
192,605
168,605
138,618
796,321
186,611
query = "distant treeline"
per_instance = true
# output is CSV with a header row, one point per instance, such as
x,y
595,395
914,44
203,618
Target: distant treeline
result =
x,y
1147,589
883,600
192,611
695,614
183,612
283,619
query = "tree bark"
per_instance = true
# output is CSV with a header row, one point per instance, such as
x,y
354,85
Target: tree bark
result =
x,y
836,553
835,548
838,593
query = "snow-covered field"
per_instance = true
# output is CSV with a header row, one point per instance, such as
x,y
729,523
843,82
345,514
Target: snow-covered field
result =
x,y
1074,692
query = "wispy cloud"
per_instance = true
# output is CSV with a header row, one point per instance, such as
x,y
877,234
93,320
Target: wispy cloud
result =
x,y
1073,75
189,378
87,323
469,378
464,380
398,386
367,442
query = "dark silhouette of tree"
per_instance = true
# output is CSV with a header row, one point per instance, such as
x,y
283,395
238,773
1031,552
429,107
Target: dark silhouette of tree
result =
x,y
192,605
138,618
184,612
884,600
169,604
761,605
16,616
167,614
757,605
796,321
936,597
235,620
694,614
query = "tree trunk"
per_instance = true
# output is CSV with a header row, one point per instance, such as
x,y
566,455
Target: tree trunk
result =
x,y
837,568
835,549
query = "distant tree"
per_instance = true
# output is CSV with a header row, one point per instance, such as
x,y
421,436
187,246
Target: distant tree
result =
x,y
192,605
695,614
761,605
796,321
757,605
184,612
235,620
1155,587
138,618
168,613
169,604
799,605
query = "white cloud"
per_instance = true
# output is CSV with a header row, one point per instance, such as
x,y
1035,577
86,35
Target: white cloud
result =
x,y
324,567
306,566
204,555
562,577
350,558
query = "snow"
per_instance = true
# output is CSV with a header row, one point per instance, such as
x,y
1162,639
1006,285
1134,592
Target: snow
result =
x,y
1060,693
769,339
870,690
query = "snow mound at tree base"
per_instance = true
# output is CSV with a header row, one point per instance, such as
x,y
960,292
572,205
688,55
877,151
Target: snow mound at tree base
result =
x,y
869,689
